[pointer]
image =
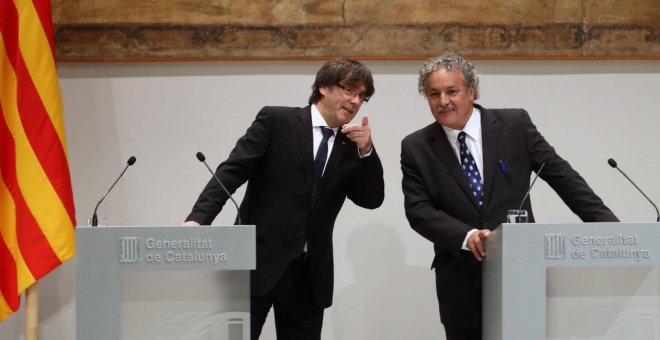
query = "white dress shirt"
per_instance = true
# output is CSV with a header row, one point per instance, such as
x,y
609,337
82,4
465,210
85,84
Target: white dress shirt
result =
x,y
473,141
317,123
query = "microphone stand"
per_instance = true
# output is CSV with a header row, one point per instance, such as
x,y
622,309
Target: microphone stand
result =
x,y
95,221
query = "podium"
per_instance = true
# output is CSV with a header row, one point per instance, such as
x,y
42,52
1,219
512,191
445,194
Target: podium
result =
x,y
572,281
165,282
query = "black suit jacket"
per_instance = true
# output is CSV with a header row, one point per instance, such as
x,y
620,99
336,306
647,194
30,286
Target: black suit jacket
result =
x,y
275,157
441,207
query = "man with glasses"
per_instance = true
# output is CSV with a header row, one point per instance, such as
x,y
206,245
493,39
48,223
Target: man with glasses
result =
x,y
300,165
463,172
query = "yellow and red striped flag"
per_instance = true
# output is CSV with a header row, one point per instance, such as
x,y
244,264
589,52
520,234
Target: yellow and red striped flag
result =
x,y
37,218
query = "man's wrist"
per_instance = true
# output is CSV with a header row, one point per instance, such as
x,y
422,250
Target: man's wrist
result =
x,y
467,236
366,154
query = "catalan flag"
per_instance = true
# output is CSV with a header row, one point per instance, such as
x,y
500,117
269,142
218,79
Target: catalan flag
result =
x,y
36,202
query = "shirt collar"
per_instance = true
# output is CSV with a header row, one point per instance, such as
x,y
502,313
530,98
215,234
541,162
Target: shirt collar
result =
x,y
318,120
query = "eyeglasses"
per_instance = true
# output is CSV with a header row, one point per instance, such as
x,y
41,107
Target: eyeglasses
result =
x,y
349,91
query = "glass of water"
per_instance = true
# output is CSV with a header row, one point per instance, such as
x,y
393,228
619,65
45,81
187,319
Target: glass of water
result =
x,y
516,216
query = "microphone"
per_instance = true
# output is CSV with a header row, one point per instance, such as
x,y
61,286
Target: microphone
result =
x,y
130,162
613,164
202,158
531,185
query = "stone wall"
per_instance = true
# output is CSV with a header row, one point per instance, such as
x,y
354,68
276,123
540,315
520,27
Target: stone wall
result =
x,y
409,29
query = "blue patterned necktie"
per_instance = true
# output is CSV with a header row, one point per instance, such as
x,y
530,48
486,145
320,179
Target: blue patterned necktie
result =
x,y
321,155
470,169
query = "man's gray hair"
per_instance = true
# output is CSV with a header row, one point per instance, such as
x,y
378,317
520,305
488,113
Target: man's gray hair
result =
x,y
450,62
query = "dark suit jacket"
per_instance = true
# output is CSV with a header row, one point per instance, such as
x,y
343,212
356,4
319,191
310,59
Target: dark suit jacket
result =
x,y
275,157
441,207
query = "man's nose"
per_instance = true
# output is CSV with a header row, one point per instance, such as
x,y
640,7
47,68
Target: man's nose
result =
x,y
444,99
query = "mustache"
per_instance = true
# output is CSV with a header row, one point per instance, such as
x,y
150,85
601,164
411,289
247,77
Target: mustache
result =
x,y
447,107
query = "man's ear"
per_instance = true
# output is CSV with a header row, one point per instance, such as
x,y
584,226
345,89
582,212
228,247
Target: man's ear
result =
x,y
471,93
323,90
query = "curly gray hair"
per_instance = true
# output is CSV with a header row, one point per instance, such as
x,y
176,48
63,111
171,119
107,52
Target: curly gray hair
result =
x,y
450,62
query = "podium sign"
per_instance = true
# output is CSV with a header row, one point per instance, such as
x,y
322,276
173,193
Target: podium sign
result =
x,y
570,281
168,282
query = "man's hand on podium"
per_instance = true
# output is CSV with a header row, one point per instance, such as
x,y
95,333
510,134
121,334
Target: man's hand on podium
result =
x,y
190,224
477,243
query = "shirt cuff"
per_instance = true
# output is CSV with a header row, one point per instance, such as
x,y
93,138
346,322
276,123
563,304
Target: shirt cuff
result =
x,y
467,236
367,154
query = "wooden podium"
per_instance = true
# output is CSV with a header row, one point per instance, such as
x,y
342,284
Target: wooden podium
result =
x,y
166,282
572,281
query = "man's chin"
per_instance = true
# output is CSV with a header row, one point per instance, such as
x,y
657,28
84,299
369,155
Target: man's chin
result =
x,y
448,123
443,118
346,119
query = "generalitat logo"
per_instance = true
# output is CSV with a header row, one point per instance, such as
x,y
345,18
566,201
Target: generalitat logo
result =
x,y
555,246
129,249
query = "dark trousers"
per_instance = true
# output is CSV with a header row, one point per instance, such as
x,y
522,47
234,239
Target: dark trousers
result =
x,y
456,333
297,314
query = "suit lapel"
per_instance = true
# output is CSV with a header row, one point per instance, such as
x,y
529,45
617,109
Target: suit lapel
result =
x,y
490,141
340,149
440,145
305,146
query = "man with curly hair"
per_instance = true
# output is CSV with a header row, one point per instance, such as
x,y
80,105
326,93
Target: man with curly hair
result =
x,y
463,172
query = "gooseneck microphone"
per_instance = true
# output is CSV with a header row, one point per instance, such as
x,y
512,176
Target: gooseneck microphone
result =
x,y
202,159
613,164
531,185
130,162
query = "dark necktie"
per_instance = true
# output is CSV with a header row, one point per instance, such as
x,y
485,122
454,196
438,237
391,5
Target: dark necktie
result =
x,y
470,170
319,164
321,155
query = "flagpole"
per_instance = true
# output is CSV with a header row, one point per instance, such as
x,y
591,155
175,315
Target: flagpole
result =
x,y
32,312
